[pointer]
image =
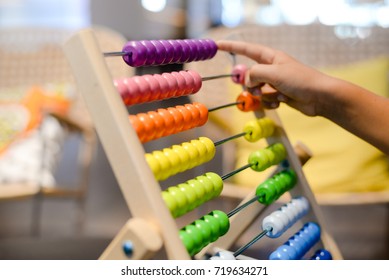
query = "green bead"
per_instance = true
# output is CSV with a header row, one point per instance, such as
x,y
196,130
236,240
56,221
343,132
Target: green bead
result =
x,y
217,183
272,158
191,196
180,198
187,241
170,202
207,185
266,192
223,221
199,189
213,226
258,160
279,151
196,236
205,231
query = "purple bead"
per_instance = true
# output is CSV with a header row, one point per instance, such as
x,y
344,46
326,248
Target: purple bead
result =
x,y
185,51
160,52
177,50
204,52
193,53
151,52
212,47
137,53
169,51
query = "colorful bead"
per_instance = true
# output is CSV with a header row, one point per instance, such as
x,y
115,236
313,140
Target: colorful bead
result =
x,y
299,244
223,255
170,161
239,73
282,219
248,102
203,231
160,52
271,189
147,88
271,155
163,122
258,129
187,196
321,254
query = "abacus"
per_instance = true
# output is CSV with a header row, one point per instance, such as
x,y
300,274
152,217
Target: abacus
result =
x,y
152,228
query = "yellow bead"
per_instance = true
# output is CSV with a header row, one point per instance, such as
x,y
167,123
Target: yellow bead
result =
x,y
174,160
200,147
192,152
164,163
253,131
210,147
184,157
268,126
153,163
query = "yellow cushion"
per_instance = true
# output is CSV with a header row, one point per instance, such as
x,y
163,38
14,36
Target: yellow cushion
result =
x,y
341,162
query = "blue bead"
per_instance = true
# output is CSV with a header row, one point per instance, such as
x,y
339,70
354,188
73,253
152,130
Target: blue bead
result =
x,y
322,254
284,252
128,248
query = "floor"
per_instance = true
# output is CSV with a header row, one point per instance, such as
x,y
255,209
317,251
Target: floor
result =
x,y
362,232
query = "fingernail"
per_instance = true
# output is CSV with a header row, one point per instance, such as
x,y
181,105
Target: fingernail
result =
x,y
282,98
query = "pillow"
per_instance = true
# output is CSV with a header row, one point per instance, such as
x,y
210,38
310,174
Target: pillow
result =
x,y
341,162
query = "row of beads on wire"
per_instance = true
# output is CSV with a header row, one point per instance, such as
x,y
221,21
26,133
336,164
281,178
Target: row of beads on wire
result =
x,y
160,52
199,234
163,122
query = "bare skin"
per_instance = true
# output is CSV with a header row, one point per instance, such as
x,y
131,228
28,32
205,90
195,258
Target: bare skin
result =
x,y
357,110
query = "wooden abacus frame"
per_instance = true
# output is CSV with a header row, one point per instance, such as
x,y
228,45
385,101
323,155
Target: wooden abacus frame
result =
x,y
152,229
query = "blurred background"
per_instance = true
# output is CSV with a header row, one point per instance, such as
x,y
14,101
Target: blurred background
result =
x,y
41,216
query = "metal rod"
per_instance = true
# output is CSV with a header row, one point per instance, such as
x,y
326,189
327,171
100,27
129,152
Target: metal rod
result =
x,y
116,53
218,77
229,138
226,176
225,106
244,205
255,239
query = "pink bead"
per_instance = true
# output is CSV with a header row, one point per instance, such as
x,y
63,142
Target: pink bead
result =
x,y
239,72
190,82
122,89
144,89
133,91
155,90
197,80
180,81
164,86
172,84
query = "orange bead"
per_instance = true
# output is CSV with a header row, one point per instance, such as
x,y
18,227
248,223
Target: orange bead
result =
x,y
203,110
195,115
149,125
249,102
159,124
178,119
168,120
187,117
138,126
